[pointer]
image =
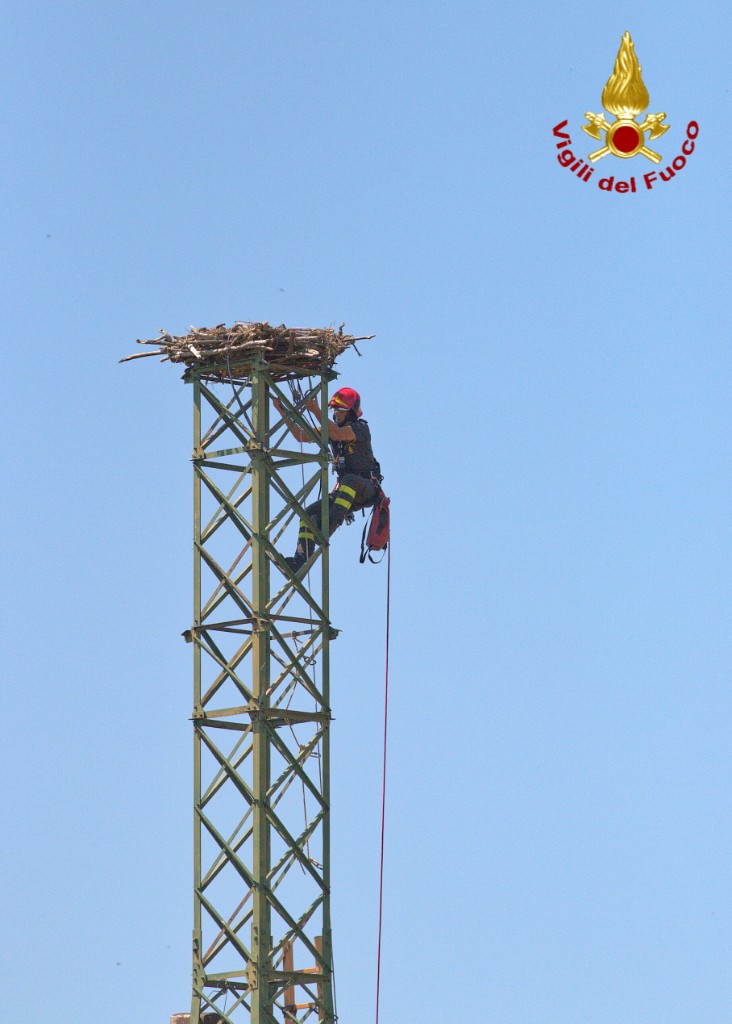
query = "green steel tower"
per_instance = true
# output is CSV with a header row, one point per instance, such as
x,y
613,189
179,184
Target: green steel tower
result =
x,y
262,949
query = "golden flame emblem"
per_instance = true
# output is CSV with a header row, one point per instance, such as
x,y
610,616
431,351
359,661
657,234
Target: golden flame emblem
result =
x,y
625,95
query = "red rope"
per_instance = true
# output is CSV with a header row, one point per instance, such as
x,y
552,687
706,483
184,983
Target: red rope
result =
x,y
383,784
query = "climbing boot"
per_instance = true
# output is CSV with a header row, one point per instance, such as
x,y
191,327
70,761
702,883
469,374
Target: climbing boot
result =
x,y
296,562
302,554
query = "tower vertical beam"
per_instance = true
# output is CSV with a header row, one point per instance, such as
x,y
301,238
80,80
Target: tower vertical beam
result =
x,y
261,938
197,951
326,946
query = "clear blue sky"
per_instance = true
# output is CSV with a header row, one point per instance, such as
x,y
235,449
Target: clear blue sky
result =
x,y
549,398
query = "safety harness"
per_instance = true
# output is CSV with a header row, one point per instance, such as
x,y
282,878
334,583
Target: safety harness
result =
x,y
375,535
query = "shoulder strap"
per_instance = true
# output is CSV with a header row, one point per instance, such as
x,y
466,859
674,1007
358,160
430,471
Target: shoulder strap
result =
x,y
364,549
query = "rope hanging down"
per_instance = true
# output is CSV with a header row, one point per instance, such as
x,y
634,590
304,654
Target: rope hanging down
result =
x,y
383,783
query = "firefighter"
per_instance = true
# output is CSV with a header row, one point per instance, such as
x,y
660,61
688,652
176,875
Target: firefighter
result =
x,y
358,471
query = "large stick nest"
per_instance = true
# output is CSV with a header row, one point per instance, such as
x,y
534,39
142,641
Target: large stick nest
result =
x,y
234,351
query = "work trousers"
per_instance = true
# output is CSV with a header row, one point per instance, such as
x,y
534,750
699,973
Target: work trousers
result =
x,y
350,494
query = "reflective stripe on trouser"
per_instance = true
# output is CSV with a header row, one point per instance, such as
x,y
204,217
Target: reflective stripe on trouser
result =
x,y
344,495
305,539
351,494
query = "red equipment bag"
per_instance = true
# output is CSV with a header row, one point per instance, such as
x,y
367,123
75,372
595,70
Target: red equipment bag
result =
x,y
376,531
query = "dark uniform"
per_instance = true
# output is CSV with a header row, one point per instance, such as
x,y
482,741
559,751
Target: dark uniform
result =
x,y
355,489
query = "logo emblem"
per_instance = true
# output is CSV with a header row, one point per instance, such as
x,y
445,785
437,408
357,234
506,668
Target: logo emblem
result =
x,y
625,96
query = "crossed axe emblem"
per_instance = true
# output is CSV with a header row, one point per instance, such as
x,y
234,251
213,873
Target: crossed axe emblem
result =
x,y
652,124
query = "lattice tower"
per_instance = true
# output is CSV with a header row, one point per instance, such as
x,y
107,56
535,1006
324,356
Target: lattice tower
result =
x,y
262,948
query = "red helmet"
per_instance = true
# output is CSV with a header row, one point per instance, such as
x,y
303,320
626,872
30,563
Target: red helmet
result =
x,y
346,398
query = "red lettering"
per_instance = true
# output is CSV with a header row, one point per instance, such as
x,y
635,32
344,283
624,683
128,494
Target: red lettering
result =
x,y
557,130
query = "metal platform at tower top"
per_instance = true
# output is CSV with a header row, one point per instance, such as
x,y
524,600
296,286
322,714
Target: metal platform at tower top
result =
x,y
262,944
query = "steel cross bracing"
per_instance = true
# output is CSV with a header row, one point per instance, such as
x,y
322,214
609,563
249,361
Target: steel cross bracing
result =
x,y
261,941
